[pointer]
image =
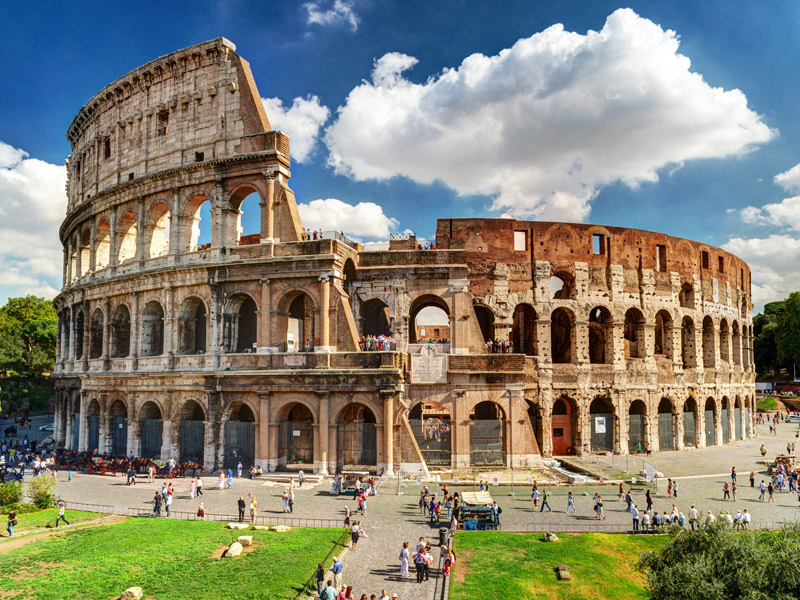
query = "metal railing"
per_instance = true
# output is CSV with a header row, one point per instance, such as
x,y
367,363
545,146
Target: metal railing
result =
x,y
628,528
441,588
87,507
310,586
222,518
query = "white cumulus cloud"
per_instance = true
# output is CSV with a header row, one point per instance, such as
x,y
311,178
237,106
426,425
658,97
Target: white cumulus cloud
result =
x,y
365,219
301,121
773,264
543,125
32,205
789,180
332,13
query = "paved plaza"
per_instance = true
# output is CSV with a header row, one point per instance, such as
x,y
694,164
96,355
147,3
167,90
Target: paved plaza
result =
x,y
392,519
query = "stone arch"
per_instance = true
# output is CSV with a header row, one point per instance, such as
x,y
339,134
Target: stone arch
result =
x,y
691,423
724,419
121,332
523,329
487,434
724,341
93,412
420,331
159,223
564,423
562,285
350,272
688,351
667,416
357,437
708,343
562,336
151,341
79,329
602,415
736,339
375,318
711,416
192,326
96,334
633,334
686,296
118,427
663,334
240,323
296,321
85,241
126,234
600,336
192,230
485,317
151,410
244,199
240,435
638,426
191,431
102,245
431,425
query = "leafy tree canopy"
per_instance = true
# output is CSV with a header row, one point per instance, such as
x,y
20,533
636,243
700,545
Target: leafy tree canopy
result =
x,y
28,327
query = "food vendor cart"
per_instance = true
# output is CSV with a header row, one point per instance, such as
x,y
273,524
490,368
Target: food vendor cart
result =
x,y
475,511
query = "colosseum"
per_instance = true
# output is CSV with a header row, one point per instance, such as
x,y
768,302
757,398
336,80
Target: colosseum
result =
x,y
509,342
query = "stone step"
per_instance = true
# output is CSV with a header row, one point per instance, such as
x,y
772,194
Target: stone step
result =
x,y
286,477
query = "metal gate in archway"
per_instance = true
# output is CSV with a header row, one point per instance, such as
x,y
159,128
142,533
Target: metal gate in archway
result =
x,y
737,423
358,445
296,444
240,444
602,432
666,432
487,443
76,430
93,434
119,436
726,426
689,430
711,436
151,438
433,440
192,441
636,426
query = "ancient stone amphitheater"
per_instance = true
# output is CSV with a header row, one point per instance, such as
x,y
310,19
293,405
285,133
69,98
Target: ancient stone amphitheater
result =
x,y
248,347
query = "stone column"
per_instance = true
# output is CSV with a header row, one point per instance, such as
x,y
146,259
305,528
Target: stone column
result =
x,y
388,431
69,422
134,342
218,228
263,446
143,229
268,211
169,324
273,459
103,437
134,441
214,316
92,248
333,452
264,331
677,420
700,426
82,424
324,426
580,342
57,418
113,254
325,315
78,261
166,440
214,450
87,323
174,223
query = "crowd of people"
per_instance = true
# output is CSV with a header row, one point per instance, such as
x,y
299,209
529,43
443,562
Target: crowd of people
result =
x,y
497,347
377,343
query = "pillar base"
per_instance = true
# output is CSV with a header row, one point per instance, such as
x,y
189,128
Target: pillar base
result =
x,y
267,350
325,349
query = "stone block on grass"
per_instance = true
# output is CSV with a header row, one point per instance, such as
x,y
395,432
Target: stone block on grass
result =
x,y
245,540
238,526
132,593
234,550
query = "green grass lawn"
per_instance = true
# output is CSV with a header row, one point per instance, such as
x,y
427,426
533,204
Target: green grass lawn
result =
x,y
510,566
167,559
44,518
767,404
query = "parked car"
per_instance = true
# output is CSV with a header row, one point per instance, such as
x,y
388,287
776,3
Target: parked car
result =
x,y
48,427
793,419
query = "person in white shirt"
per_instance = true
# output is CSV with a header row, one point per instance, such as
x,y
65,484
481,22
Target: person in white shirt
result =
x,y
745,519
645,521
635,516
693,516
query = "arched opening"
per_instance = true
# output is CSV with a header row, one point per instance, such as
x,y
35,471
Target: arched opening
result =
x,y
151,427
85,250
690,423
708,343
152,337
485,321
663,334
159,225
565,426
688,353
96,334
192,433
73,259
562,286
296,441
375,318
240,437
430,424
196,230
737,344
240,324
76,425
725,421
299,335
601,414
737,419
429,320
749,409
666,425
637,426
634,334
118,418
121,332
79,325
562,336
358,438
600,339
248,220
710,424
686,296
523,330
126,237
192,326
93,427
64,338
350,272
724,342
102,246
487,440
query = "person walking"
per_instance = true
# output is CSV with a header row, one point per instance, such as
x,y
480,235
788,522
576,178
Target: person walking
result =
x,y
545,497
628,500
230,478
600,513
285,500
300,478
535,498
770,491
675,488
221,480
669,486
763,487
733,474
419,563
61,517
168,503
635,516
693,516
752,479
320,578
404,560
239,470
733,491
242,506
199,487
253,509
726,491
157,500
192,488
649,499
571,503
12,522
336,569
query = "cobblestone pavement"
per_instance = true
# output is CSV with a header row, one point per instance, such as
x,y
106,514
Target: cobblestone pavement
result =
x,y
392,519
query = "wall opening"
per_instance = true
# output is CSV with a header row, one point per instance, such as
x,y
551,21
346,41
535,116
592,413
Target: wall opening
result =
x,y
708,343
562,336
197,230
686,296
126,236
102,248
485,321
375,318
121,332
152,337
96,334
159,230
663,334
600,338
688,352
192,327
429,320
523,330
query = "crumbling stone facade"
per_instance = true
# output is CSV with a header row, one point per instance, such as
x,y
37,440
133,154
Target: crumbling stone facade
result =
x,y
247,348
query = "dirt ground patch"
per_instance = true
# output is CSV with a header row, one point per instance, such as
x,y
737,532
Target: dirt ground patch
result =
x,y
462,562
220,552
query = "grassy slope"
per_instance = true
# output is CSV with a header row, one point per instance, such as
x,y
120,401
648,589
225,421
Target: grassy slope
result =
x,y
767,404
45,518
508,566
168,559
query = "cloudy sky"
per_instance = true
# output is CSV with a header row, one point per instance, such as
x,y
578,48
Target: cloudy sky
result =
x,y
672,116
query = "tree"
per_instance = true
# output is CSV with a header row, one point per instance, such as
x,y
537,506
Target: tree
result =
x,y
765,346
787,339
28,327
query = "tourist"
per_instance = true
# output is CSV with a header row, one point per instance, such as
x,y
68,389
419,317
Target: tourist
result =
x,y
157,500
151,473
419,564
449,561
201,512
199,487
710,519
12,522
752,479
300,478
649,499
192,488
621,492
453,524
336,569
649,449
763,487
669,486
726,491
733,474
545,496
496,511
242,506
168,503
535,497
600,513
635,515
657,521
571,503
770,490
320,577
230,478
253,509
221,480
239,470
693,515
164,490
733,491
404,560
745,519
347,514
645,522
291,500
285,500
675,488
329,593
628,501
61,517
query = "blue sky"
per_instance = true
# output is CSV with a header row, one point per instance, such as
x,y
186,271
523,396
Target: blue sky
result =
x,y
621,117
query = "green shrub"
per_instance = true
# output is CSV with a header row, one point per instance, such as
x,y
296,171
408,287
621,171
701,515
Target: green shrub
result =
x,y
10,493
42,490
19,508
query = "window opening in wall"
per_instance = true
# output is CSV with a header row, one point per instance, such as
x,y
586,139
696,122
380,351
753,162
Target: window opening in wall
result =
x,y
519,241
721,263
599,243
199,156
107,148
704,258
130,176
248,227
661,258
78,171
162,123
